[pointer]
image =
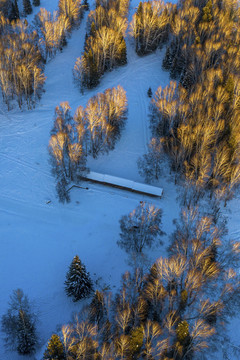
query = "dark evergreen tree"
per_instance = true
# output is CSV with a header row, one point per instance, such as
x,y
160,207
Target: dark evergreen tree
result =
x,y
14,14
27,7
36,2
55,349
123,55
86,5
149,92
139,39
19,325
78,283
168,59
26,334
61,187
93,71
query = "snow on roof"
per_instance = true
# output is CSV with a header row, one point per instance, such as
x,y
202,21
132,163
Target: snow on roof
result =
x,y
125,183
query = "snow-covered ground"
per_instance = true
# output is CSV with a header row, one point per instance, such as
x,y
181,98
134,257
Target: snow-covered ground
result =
x,y
39,240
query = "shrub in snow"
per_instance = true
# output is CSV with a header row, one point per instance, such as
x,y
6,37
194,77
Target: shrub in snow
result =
x,y
19,325
140,228
78,283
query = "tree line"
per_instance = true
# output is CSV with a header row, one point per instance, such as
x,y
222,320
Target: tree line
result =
x,y
54,28
10,8
196,123
24,49
21,66
91,131
105,47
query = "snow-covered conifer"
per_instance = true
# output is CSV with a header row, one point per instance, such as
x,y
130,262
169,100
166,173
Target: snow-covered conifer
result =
x,y
78,284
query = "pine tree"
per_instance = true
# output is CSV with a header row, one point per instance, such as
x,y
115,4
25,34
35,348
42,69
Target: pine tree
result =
x,y
78,283
27,7
61,187
14,14
26,331
168,59
139,38
19,325
123,53
93,70
86,5
149,92
55,349
36,2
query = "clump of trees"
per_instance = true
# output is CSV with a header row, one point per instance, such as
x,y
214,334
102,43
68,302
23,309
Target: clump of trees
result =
x,y
9,9
53,30
140,228
78,284
105,116
19,325
21,69
150,25
71,9
23,50
197,122
68,157
177,310
105,47
92,130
